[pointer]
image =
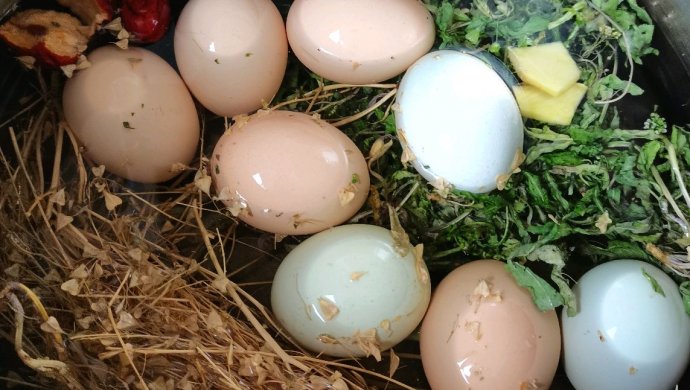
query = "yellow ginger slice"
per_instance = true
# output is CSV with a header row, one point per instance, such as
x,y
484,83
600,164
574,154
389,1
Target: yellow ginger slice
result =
x,y
556,110
548,67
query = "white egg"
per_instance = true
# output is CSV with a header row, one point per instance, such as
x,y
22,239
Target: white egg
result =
x,y
458,121
348,289
626,335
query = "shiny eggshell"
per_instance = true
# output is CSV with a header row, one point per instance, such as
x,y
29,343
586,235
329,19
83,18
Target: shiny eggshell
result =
x,y
359,41
231,53
459,120
289,173
494,340
626,335
347,285
132,113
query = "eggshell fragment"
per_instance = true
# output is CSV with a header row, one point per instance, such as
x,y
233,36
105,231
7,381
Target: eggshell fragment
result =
x,y
631,330
289,173
348,292
359,41
231,54
132,113
458,121
482,331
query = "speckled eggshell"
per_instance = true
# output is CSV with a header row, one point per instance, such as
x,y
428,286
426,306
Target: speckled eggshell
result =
x,y
289,173
359,41
483,332
231,53
132,113
349,291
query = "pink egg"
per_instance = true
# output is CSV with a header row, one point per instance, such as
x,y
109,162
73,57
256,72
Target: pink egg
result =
x,y
132,113
289,173
359,41
483,332
231,54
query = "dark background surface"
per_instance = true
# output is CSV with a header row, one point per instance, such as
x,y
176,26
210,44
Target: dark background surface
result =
x,y
665,79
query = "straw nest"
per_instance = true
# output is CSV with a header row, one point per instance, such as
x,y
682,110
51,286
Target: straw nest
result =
x,y
106,284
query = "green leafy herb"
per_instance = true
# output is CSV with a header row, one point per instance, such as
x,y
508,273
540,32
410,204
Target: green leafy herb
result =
x,y
685,294
552,211
551,254
655,285
544,296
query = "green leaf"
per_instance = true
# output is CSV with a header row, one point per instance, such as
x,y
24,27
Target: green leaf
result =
x,y
569,299
557,142
655,285
685,294
550,254
444,16
536,190
614,83
640,12
648,154
543,294
640,40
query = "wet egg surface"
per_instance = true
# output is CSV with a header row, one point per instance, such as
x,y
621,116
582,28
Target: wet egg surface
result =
x,y
348,291
483,331
133,114
359,41
231,54
458,121
289,173
631,330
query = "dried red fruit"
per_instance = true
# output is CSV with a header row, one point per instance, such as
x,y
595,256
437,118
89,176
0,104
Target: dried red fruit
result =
x,y
147,21
91,12
54,38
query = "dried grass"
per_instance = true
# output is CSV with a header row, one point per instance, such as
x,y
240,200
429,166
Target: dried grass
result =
x,y
109,286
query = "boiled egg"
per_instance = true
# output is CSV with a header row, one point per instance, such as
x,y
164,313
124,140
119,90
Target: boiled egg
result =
x,y
289,173
132,113
458,121
231,54
359,41
482,331
630,332
351,291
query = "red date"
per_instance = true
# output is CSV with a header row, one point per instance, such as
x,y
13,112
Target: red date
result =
x,y
147,21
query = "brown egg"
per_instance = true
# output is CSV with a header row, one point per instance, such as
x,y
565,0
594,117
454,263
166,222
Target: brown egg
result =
x,y
482,331
133,114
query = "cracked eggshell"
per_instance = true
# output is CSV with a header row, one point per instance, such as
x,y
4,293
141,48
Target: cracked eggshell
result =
x,y
231,54
346,291
132,113
458,121
359,41
289,173
625,334
483,331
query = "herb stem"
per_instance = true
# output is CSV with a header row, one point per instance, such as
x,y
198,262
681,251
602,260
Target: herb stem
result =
x,y
673,160
628,54
669,198
408,195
